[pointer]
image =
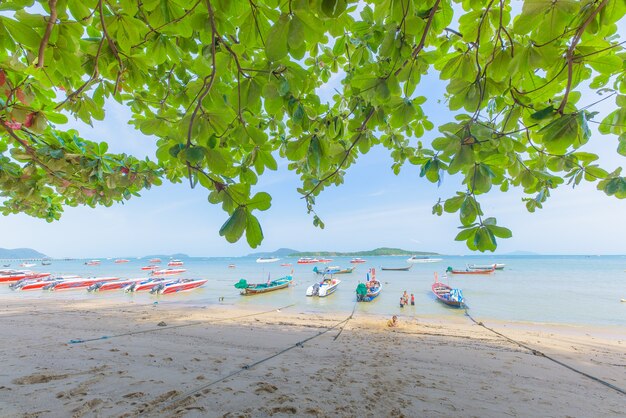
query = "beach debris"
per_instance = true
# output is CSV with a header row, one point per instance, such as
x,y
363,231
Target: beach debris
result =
x,y
161,324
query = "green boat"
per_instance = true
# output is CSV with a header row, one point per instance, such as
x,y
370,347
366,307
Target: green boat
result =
x,y
256,288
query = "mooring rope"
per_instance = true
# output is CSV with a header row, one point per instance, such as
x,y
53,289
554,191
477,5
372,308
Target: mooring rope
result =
x,y
344,325
106,337
541,354
189,393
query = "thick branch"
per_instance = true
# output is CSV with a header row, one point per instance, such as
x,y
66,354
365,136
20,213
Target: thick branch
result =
x,y
46,36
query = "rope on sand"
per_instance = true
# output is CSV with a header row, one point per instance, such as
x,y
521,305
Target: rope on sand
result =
x,y
541,354
187,394
106,337
344,325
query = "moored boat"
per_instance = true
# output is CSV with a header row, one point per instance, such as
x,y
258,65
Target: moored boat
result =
x,y
7,276
468,271
39,283
75,284
175,263
357,260
325,260
269,286
121,261
308,260
155,260
267,259
333,270
407,268
151,267
327,286
113,285
28,265
446,294
177,286
92,263
167,272
146,284
368,291
497,266
423,259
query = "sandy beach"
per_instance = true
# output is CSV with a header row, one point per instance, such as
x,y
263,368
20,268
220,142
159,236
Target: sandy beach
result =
x,y
207,361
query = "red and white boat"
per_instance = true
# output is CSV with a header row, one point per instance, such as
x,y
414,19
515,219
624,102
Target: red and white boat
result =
x,y
34,284
165,288
175,263
7,276
357,260
151,267
92,263
146,284
325,260
114,285
308,260
121,260
155,260
75,284
168,272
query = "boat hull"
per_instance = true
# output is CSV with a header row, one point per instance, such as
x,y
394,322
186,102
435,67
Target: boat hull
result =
x,y
181,286
440,290
258,288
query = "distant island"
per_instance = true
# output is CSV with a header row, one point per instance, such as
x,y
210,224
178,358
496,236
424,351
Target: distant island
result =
x,y
377,252
20,253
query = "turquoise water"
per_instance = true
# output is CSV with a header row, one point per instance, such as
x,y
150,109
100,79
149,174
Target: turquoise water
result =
x,y
552,289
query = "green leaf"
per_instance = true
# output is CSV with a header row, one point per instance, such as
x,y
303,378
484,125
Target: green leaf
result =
x,y
260,201
22,33
334,8
233,228
254,233
276,42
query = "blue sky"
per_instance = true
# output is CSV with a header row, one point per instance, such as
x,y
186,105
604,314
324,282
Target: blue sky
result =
x,y
373,208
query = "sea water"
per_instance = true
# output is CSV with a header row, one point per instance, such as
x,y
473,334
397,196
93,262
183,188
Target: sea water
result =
x,y
549,289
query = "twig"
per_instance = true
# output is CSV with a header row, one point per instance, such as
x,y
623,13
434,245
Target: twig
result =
x,y
46,36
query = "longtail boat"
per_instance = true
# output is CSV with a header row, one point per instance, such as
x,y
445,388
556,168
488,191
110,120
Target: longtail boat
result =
x,y
397,268
333,270
367,292
497,266
447,295
269,286
453,271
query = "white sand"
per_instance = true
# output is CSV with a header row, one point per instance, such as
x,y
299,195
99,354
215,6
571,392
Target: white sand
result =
x,y
423,368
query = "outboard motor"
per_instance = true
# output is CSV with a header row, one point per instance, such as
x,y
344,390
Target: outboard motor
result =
x,y
316,289
157,288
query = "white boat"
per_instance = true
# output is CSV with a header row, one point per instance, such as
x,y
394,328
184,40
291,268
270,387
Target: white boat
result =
x,y
423,259
497,266
165,288
167,272
27,265
147,284
267,259
324,288
175,263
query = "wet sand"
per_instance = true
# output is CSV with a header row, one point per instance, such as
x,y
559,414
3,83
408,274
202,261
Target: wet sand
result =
x,y
425,367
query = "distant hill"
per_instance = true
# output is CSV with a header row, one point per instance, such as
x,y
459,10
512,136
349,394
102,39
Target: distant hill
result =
x,y
20,253
376,252
281,252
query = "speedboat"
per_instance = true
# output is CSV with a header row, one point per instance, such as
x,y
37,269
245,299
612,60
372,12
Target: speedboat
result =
x,y
151,267
423,259
27,265
75,284
34,284
16,275
155,260
113,285
308,260
167,272
324,288
165,288
267,259
357,260
121,260
325,260
92,263
175,263
146,284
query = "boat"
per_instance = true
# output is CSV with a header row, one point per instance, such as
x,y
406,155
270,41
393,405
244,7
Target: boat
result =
x,y
46,262
121,260
28,265
7,276
497,266
325,260
333,270
269,286
39,283
357,260
151,267
155,260
286,265
165,288
367,292
146,284
175,263
423,259
231,266
324,288
447,295
308,260
113,285
75,284
267,259
407,268
92,263
468,271
167,272
6,265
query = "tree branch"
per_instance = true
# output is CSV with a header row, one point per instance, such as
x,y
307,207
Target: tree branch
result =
x,y
46,36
